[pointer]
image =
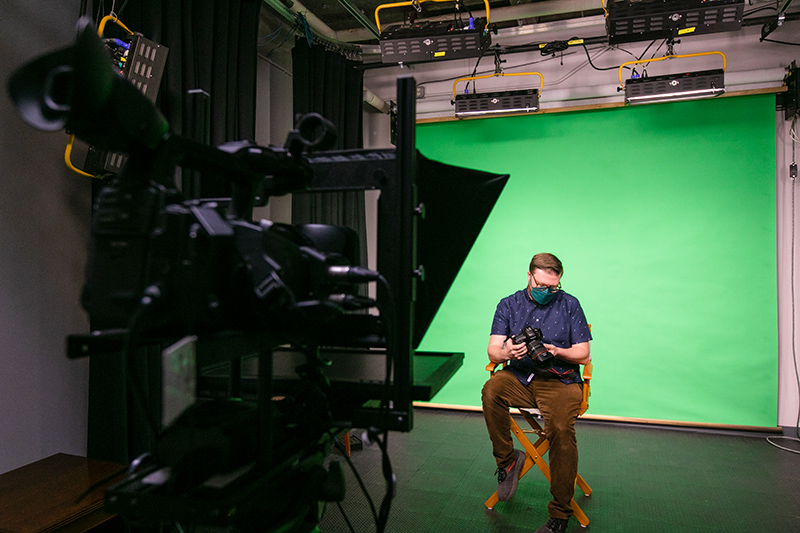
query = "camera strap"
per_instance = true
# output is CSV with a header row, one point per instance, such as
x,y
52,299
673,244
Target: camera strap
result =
x,y
569,374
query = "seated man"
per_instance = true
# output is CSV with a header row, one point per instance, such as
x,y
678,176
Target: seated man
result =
x,y
551,382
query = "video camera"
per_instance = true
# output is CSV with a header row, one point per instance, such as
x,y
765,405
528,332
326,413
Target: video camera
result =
x,y
199,276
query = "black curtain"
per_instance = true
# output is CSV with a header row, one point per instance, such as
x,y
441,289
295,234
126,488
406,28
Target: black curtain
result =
x,y
326,82
212,49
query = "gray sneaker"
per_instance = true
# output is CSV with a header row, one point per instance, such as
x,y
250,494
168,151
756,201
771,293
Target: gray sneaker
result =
x,y
554,525
508,476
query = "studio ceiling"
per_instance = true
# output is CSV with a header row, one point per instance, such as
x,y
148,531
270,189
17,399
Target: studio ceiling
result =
x,y
354,20
349,25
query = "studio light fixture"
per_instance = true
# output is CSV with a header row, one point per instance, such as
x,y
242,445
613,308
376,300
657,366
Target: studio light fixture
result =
x,y
497,102
433,40
645,20
673,87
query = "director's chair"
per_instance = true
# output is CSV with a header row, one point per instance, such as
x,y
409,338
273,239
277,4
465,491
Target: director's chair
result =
x,y
534,451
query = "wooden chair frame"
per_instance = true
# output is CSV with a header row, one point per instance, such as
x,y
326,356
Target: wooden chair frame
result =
x,y
534,451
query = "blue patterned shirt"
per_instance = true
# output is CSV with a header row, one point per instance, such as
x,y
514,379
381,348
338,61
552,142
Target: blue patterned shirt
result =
x,y
562,323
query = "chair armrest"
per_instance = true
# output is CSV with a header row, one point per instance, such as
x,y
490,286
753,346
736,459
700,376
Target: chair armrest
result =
x,y
494,367
587,377
587,371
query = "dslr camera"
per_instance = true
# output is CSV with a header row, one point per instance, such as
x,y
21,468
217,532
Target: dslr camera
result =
x,y
532,339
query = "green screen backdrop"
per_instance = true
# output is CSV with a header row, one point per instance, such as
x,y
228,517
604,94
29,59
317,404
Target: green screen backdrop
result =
x,y
664,218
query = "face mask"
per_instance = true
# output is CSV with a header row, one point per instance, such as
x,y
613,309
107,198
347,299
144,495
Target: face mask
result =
x,y
541,296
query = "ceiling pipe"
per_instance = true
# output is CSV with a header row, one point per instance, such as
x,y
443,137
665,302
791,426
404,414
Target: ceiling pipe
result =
x,y
376,102
361,18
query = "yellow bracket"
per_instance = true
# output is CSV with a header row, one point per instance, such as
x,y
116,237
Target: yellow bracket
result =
x,y
115,20
638,61
68,158
415,3
485,76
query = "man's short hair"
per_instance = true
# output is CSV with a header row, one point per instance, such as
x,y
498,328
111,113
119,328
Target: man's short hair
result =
x,y
546,261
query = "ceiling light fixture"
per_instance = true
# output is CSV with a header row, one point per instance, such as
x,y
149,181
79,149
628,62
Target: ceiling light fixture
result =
x,y
497,102
432,40
673,87
644,20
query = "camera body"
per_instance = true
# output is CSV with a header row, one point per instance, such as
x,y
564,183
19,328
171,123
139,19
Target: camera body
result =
x,y
532,339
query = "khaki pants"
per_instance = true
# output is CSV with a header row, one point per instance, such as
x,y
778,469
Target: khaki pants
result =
x,y
559,404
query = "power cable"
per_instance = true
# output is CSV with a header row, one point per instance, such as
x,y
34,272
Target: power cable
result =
x,y
593,65
268,38
646,49
360,482
346,519
577,69
474,70
122,7
780,42
279,45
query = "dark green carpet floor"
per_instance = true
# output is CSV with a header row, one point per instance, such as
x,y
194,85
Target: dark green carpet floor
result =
x,y
644,479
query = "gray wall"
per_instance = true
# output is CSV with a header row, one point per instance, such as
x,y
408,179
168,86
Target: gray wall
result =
x,y
44,227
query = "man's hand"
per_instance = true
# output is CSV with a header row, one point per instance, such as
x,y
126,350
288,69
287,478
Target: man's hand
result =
x,y
502,349
515,351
